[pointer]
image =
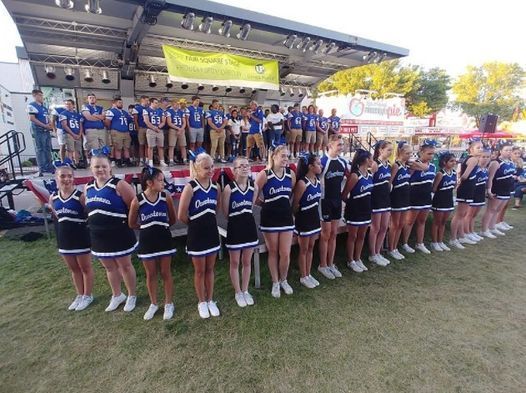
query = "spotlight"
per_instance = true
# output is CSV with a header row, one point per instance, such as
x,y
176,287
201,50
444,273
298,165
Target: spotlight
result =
x,y
291,92
151,81
200,87
329,48
228,89
289,41
242,90
244,32
50,71
368,58
215,88
66,4
316,46
184,86
169,83
206,25
188,21
88,76
93,7
304,44
70,73
225,28
105,77
281,92
300,93
308,92
380,58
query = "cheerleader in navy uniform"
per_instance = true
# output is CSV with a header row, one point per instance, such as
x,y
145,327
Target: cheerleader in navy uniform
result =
x,y
443,204
516,158
380,201
112,241
498,188
421,182
73,239
479,198
197,208
400,203
242,236
153,212
307,193
357,197
275,184
465,193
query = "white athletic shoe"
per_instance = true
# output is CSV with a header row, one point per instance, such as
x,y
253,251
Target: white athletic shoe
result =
x,y
163,164
115,302
314,281
276,290
456,243
472,237
504,226
396,254
169,310
420,247
248,298
130,303
361,265
306,282
334,270
203,310
84,303
466,240
436,247
407,248
326,272
495,231
286,287
476,236
240,299
212,307
354,266
386,261
444,247
488,234
73,306
377,260
150,312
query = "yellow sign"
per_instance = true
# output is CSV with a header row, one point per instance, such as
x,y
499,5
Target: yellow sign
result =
x,y
220,69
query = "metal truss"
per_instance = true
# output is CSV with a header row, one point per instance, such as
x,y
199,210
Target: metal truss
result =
x,y
38,58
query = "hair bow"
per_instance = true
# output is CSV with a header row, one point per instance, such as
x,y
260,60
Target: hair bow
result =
x,y
149,169
304,157
443,154
103,151
378,143
429,143
66,162
192,155
400,144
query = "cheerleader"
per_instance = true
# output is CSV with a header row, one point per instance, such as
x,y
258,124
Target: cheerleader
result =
x,y
73,239
479,198
465,194
197,208
275,184
421,182
357,196
516,158
499,187
400,203
112,241
443,187
242,236
334,170
307,193
153,212
380,201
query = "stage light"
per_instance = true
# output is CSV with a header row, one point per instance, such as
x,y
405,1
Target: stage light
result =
x,y
215,88
244,32
368,58
151,81
184,86
242,90
300,93
93,7
169,83
380,58
281,92
304,44
105,77
289,41
291,92
329,48
316,46
228,89
225,28
66,4
88,76
206,25
50,71
70,73
308,92
188,21
200,87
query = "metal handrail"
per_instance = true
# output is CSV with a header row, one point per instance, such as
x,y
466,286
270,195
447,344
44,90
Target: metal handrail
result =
x,y
16,143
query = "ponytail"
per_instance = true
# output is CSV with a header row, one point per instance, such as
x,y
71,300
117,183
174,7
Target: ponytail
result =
x,y
360,156
304,162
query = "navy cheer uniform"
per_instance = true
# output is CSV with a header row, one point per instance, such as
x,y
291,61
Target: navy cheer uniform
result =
x,y
466,189
503,179
380,198
443,198
276,212
332,175
358,205
155,238
72,231
308,216
203,236
421,188
241,228
400,191
479,198
111,237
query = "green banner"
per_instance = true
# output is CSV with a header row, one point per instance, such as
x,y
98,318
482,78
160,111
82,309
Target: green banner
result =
x,y
220,69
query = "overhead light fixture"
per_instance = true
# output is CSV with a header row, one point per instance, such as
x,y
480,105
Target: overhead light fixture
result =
x,y
188,21
151,81
380,58
105,77
169,83
88,76
206,25
70,73
244,32
200,87
215,88
289,41
317,46
242,90
66,4
281,92
291,92
300,93
225,28
228,89
368,58
329,48
304,44
254,91
93,7
308,92
50,71
184,86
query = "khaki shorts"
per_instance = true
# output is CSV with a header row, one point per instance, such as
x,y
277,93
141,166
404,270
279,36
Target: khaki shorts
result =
x,y
294,135
155,138
96,138
256,139
310,136
176,138
120,139
141,135
322,138
72,144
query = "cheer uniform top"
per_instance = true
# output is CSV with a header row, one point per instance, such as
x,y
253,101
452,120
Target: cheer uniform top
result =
x,y
332,175
479,197
241,228
421,188
443,198
72,231
358,205
203,236
308,216
111,236
155,238
401,188
503,180
380,198
466,189
276,212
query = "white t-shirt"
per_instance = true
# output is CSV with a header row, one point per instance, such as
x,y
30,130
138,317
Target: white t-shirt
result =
x,y
245,126
235,125
275,118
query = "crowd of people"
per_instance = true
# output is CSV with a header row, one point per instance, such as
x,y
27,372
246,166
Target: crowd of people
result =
x,y
390,199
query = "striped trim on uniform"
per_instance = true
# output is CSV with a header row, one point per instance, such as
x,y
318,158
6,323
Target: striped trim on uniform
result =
x,y
157,254
122,253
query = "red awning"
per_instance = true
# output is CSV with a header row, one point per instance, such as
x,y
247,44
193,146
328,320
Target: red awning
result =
x,y
487,135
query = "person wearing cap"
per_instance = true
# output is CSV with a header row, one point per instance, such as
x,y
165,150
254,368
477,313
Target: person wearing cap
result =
x,y
94,131
141,126
40,130
196,123
176,119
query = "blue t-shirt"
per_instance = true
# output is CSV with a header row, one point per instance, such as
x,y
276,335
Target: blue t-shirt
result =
x,y
73,120
120,119
154,115
131,126
295,120
195,116
323,122
335,122
176,116
255,127
217,117
93,110
310,120
40,111
138,110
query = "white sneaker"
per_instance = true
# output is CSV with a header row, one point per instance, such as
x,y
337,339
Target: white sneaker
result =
x,y
248,298
386,261
306,282
361,265
150,312
471,237
354,266
75,303
396,254
422,248
212,307
408,249
314,281
240,299
163,164
334,270
116,302
476,236
466,240
150,163
374,259
286,287
488,234
169,310
275,290
503,226
456,243
436,247
495,231
326,272
203,310
130,303
444,247
84,303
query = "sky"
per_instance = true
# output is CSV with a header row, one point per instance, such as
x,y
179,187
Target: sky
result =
x,y
451,34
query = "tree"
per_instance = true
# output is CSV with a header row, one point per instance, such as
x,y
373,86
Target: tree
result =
x,y
429,94
491,88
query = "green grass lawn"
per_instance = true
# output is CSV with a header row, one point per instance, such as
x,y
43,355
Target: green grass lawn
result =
x,y
451,322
